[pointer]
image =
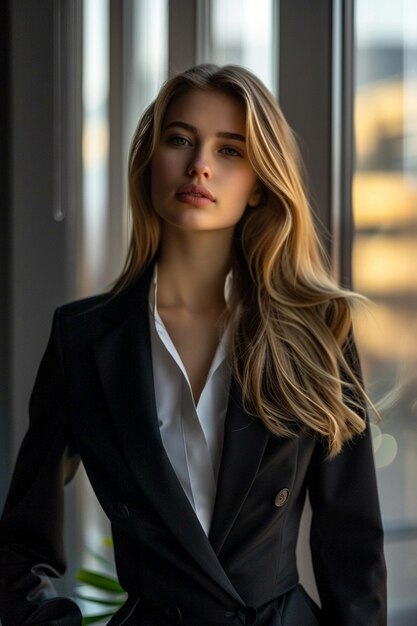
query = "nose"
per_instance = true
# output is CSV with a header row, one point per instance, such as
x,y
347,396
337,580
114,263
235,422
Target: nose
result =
x,y
199,165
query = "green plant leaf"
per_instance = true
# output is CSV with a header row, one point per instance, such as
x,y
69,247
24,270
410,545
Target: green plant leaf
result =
x,y
101,559
115,603
100,581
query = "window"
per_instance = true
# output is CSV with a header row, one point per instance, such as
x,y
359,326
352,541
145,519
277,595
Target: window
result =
x,y
125,60
95,145
241,32
385,269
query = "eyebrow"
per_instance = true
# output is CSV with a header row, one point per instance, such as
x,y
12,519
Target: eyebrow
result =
x,y
222,134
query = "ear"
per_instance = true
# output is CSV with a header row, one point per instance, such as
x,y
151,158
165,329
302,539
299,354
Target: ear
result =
x,y
255,195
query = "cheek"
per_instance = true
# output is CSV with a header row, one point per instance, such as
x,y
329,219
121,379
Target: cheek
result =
x,y
243,188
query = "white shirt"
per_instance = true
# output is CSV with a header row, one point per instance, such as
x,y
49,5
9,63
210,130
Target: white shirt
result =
x,y
192,435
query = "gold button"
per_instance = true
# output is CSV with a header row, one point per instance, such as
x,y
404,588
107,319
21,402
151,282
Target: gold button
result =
x,y
281,497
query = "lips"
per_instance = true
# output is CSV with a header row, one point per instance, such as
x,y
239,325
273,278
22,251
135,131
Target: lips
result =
x,y
194,191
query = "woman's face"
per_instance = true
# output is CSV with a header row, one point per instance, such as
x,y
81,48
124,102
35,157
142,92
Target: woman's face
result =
x,y
201,177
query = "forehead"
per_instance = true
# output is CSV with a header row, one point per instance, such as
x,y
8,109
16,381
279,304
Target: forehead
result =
x,y
212,109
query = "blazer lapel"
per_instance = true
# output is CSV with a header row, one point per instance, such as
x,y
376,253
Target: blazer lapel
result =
x,y
245,439
124,360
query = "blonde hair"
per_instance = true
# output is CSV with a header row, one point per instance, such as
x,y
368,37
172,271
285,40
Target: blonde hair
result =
x,y
291,345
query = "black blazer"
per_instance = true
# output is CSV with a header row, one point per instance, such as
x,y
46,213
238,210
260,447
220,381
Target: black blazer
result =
x,y
94,398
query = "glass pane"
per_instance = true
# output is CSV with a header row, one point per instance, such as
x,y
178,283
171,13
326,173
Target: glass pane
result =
x,y
385,269
144,67
149,56
243,33
93,231
95,148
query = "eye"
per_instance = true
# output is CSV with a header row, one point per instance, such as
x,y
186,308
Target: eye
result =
x,y
178,140
229,151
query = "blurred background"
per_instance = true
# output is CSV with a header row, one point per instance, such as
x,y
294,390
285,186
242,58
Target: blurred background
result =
x,y
76,76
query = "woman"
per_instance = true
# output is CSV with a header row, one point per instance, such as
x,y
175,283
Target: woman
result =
x,y
214,387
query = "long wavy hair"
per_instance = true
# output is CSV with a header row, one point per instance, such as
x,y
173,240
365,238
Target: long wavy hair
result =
x,y
291,345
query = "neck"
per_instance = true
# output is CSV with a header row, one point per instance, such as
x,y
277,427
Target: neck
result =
x,y
192,268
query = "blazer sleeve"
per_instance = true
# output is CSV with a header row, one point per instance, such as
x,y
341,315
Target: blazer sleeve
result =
x,y
346,531
31,547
